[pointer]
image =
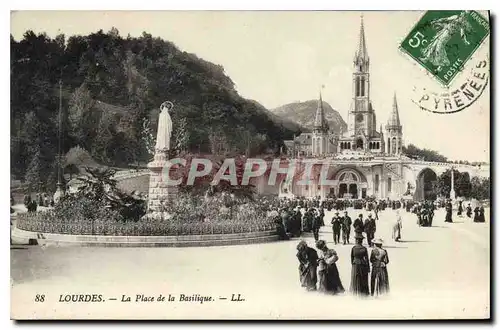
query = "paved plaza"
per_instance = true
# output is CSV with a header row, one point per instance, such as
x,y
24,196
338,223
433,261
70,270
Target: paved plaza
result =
x,y
438,272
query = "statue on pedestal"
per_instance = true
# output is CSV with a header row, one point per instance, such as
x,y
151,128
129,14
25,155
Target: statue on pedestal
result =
x,y
160,192
164,127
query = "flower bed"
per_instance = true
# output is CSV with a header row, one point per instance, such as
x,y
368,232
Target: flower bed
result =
x,y
46,222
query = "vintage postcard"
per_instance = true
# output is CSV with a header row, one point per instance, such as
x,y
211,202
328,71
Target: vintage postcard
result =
x,y
262,165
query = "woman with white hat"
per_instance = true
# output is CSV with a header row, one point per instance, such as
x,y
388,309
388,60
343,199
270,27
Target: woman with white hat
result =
x,y
379,276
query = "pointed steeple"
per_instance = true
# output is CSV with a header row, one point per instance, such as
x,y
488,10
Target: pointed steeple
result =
x,y
319,120
393,122
361,58
394,118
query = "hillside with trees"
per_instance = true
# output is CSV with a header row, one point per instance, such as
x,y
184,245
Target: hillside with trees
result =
x,y
423,154
111,87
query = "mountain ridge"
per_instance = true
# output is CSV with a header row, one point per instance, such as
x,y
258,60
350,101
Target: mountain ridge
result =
x,y
303,114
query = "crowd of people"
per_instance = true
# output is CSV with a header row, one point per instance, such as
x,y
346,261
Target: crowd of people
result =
x,y
318,269
369,275
42,199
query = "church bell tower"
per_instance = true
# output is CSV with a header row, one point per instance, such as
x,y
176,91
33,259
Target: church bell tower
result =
x,y
320,131
361,115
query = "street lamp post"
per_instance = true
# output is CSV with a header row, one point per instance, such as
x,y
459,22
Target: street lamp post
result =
x,y
60,191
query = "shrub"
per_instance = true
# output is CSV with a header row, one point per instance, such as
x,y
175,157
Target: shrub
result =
x,y
190,216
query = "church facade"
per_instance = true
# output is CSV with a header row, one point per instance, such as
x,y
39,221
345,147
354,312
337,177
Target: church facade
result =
x,y
362,161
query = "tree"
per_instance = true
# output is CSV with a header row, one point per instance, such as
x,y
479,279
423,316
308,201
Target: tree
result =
x,y
181,135
423,154
106,78
461,182
480,188
148,140
80,114
34,173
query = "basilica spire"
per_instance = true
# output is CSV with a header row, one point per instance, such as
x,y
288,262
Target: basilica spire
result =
x,y
394,118
319,120
361,59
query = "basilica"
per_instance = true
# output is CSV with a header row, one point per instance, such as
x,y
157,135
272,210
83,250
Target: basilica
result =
x,y
362,161
362,135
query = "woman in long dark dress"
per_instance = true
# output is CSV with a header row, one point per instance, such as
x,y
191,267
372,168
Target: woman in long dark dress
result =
x,y
476,214
448,208
328,274
469,210
360,268
308,262
481,214
460,209
379,276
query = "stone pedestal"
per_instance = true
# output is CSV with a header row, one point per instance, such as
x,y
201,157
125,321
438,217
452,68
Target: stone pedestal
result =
x,y
160,191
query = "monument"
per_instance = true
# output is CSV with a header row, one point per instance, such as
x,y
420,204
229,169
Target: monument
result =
x,y
452,190
160,192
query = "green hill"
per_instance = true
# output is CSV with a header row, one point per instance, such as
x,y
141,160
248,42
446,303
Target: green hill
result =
x,y
110,84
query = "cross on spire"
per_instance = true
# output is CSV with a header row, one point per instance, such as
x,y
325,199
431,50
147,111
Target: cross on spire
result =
x,y
361,57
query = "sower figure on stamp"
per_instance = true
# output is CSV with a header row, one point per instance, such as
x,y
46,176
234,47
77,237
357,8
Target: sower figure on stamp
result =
x,y
308,262
435,51
336,225
346,228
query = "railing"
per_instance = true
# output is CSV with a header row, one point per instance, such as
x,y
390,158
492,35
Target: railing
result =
x,y
144,227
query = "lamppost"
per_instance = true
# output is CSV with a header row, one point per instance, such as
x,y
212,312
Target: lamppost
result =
x,y
60,190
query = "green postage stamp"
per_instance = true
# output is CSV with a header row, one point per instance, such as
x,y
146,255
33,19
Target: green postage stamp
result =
x,y
442,41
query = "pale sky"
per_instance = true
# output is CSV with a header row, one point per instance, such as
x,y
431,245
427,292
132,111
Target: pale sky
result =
x,y
282,57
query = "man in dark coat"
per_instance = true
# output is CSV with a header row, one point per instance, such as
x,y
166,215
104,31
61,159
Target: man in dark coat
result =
x,y
376,209
316,225
346,227
336,225
370,229
358,225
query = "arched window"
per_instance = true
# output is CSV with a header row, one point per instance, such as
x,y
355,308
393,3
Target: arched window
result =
x,y
389,145
362,93
378,145
377,179
394,145
357,87
389,184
